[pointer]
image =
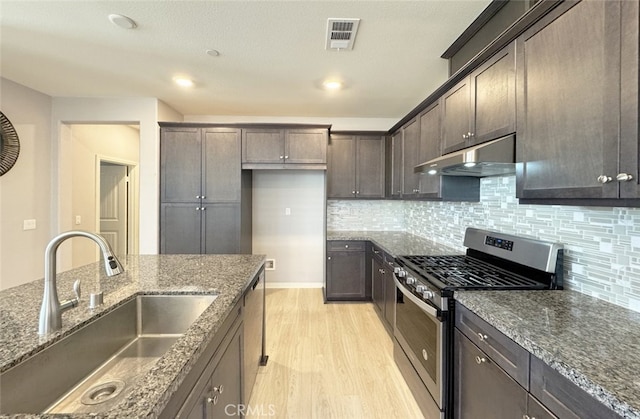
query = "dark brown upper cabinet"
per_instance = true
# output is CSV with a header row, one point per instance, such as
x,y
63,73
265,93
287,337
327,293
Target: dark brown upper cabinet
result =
x,y
411,139
451,188
274,148
577,135
482,106
355,166
396,181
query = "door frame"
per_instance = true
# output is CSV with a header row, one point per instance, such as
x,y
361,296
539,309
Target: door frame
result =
x,y
133,225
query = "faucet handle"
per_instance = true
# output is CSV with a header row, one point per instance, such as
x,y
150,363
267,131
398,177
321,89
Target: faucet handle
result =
x,y
77,289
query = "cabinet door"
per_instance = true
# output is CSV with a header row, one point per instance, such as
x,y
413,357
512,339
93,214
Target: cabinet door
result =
x,y
390,296
221,165
262,145
377,277
629,135
308,146
493,89
180,228
396,164
341,170
569,102
481,388
410,158
226,381
430,147
456,111
535,410
221,229
346,275
180,164
369,167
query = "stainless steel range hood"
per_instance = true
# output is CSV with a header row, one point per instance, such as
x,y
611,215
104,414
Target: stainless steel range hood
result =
x,y
494,158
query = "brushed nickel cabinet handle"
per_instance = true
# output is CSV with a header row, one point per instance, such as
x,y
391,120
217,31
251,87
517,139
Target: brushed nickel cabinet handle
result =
x,y
604,179
624,177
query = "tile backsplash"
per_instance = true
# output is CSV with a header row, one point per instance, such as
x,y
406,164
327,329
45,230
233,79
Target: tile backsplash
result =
x,y
602,245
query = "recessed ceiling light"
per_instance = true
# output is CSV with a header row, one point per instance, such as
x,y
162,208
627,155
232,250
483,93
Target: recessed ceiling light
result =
x,y
213,52
183,81
332,85
122,21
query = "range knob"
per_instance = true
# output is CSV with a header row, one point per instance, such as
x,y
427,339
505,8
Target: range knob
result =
x,y
420,289
410,280
427,295
400,272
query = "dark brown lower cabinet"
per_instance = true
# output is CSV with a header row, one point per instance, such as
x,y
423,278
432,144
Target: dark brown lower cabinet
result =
x,y
222,394
482,389
377,287
491,373
346,271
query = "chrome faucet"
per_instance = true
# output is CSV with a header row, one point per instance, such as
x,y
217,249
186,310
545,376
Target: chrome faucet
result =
x,y
51,310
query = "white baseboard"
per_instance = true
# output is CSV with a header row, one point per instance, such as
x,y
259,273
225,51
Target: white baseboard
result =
x,y
294,284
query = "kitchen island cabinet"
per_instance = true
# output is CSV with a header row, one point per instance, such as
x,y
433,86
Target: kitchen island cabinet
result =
x,y
165,387
577,136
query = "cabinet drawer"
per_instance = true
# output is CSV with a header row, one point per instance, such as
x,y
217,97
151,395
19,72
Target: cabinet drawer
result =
x,y
562,397
510,356
346,246
377,253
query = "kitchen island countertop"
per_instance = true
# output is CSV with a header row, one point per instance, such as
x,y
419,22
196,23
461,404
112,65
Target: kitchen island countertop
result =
x,y
593,343
224,275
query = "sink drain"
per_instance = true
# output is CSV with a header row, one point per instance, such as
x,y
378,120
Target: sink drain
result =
x,y
102,392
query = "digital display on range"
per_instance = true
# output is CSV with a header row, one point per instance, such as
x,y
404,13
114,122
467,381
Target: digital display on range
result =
x,y
499,243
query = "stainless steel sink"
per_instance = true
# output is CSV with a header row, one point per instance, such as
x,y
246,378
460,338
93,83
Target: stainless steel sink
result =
x,y
95,367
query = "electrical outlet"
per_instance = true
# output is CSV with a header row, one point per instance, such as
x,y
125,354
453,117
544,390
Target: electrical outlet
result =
x,y
29,224
287,211
78,219
270,265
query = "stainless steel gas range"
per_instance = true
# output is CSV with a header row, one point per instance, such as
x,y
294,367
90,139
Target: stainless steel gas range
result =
x,y
425,302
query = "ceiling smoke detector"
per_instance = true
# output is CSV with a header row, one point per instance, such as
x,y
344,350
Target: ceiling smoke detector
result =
x,y
341,33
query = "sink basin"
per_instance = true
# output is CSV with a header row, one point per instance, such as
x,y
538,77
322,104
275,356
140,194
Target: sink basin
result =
x,y
94,368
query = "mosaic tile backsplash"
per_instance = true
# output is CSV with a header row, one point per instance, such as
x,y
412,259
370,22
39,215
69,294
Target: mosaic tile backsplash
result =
x,y
602,245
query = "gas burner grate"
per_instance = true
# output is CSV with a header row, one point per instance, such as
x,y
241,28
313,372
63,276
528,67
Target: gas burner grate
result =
x,y
464,272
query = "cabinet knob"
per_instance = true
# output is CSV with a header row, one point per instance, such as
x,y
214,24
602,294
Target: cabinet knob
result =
x,y
286,157
480,360
346,246
464,136
203,208
218,389
197,196
471,134
383,271
357,192
353,192
197,208
213,400
329,258
281,157
203,197
604,179
482,337
624,177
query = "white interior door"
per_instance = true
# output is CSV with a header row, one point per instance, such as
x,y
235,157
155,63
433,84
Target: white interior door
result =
x,y
113,206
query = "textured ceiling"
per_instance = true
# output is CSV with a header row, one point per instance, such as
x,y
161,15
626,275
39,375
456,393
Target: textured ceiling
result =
x,y
272,57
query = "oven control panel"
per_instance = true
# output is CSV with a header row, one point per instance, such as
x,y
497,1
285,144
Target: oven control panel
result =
x,y
499,243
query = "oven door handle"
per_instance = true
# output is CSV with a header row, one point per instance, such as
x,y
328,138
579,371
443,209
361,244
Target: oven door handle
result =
x,y
423,305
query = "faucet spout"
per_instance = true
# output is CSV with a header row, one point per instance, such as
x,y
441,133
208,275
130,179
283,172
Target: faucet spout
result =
x,y
51,310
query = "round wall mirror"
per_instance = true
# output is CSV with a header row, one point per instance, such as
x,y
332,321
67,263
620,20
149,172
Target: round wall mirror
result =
x,y
9,145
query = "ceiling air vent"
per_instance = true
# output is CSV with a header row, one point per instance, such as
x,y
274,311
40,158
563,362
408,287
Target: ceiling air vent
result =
x,y
341,33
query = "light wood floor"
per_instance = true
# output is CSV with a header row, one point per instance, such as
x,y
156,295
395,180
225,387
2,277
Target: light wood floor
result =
x,y
327,361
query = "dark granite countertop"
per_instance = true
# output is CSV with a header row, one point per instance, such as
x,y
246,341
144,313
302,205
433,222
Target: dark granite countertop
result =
x,y
593,343
396,243
224,275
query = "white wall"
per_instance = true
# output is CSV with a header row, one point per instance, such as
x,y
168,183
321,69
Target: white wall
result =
x,y
141,111
115,142
296,241
337,124
25,191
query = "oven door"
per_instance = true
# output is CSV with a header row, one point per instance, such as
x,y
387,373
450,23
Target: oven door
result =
x,y
419,330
